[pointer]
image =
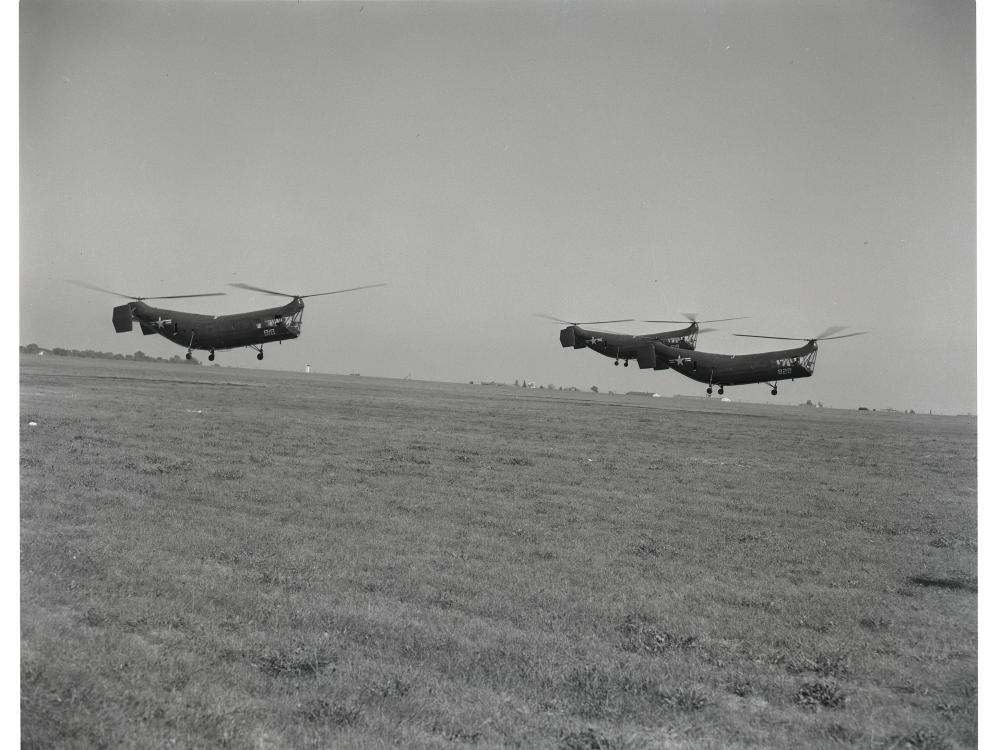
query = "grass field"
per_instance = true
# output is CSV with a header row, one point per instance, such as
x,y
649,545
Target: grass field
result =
x,y
217,557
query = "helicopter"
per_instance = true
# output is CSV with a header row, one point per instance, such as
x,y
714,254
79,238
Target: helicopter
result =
x,y
626,346
215,332
741,369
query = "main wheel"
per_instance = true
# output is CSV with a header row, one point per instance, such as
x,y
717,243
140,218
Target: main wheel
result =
x,y
616,363
626,363
211,357
709,390
720,390
260,355
774,391
188,355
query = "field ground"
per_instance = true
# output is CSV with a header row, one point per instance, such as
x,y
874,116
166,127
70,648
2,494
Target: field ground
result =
x,y
217,557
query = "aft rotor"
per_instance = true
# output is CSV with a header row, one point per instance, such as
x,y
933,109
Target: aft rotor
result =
x,y
141,299
692,318
301,297
582,323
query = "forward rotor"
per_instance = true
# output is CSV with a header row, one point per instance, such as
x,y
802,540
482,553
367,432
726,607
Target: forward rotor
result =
x,y
826,335
252,288
140,299
693,318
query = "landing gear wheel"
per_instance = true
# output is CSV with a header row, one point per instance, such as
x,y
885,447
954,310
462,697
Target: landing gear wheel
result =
x,y
625,363
616,363
709,390
188,355
774,391
211,357
260,355
720,390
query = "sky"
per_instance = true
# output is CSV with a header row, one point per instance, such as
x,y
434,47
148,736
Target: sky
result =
x,y
804,164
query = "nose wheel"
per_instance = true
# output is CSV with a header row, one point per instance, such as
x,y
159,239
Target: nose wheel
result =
x,y
260,350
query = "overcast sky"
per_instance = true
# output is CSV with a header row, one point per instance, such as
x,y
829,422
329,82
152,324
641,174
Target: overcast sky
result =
x,y
806,164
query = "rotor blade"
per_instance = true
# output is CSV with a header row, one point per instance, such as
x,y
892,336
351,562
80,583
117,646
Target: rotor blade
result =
x,y
557,320
258,289
814,338
843,336
829,332
782,338
182,296
135,297
707,330
101,289
692,318
583,323
340,291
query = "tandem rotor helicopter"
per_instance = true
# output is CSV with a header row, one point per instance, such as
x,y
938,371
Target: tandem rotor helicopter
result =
x,y
215,332
626,346
721,370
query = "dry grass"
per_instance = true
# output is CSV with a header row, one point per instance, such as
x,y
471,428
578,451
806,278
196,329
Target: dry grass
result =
x,y
224,558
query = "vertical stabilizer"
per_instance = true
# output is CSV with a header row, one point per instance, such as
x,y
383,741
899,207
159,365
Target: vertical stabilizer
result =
x,y
121,316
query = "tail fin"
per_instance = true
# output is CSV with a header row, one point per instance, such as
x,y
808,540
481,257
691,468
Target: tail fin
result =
x,y
121,316
568,337
646,358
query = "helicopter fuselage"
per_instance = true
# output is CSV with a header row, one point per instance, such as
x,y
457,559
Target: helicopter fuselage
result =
x,y
735,369
213,332
626,346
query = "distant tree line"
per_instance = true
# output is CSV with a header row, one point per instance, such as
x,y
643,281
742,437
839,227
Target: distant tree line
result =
x,y
529,384
91,354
